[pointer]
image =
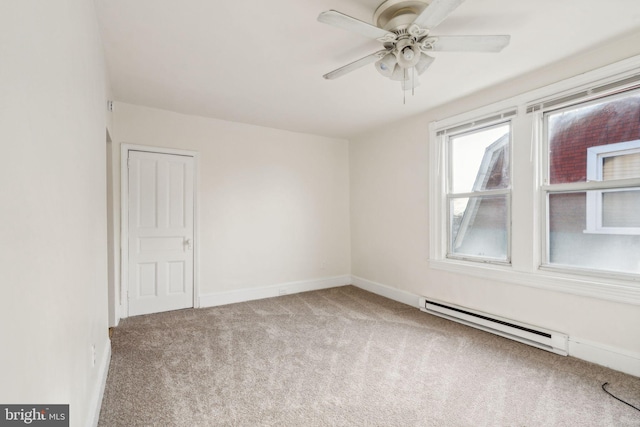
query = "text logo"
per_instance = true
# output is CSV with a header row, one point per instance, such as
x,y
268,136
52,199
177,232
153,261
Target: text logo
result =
x,y
34,415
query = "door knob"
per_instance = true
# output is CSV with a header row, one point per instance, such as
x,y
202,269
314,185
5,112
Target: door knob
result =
x,y
187,243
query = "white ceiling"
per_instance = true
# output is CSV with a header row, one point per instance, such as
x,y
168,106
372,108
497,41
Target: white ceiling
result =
x,y
261,62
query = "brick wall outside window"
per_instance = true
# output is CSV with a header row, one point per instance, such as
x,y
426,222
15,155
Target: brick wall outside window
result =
x,y
572,133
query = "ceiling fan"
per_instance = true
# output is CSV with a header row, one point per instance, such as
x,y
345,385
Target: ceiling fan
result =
x,y
404,29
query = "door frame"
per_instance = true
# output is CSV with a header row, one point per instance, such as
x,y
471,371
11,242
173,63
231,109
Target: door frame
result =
x,y
124,220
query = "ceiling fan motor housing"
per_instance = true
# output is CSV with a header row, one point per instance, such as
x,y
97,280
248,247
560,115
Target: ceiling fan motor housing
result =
x,y
398,17
394,15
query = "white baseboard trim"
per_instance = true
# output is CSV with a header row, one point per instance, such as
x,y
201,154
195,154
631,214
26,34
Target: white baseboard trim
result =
x,y
600,354
98,394
242,295
386,291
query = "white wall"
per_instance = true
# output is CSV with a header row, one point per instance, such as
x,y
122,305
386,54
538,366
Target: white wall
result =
x,y
53,296
273,205
389,222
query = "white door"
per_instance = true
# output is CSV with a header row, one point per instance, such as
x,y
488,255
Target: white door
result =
x,y
160,232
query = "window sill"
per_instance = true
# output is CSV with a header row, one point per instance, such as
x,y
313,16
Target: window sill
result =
x,y
465,259
615,287
611,230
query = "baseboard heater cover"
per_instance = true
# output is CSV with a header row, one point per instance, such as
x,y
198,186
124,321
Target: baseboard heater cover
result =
x,y
554,342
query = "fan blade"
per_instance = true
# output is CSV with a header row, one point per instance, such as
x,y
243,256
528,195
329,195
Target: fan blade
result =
x,y
369,59
346,22
436,12
470,43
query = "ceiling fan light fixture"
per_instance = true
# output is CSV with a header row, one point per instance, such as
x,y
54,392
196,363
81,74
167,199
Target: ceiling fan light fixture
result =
x,y
386,65
424,62
408,53
399,74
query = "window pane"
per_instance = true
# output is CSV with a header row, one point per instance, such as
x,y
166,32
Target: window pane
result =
x,y
570,245
572,131
479,226
621,167
621,208
480,160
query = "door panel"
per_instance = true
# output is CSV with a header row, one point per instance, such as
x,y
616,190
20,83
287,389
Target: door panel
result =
x,y
160,232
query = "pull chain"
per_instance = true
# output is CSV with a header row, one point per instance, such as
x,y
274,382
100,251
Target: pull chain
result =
x,y
413,82
404,92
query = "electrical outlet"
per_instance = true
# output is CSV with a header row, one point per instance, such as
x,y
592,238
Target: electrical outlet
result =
x,y
323,265
93,355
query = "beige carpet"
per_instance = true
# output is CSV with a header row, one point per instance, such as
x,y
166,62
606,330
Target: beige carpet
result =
x,y
345,357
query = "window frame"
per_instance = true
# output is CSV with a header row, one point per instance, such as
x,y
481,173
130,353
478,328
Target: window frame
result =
x,y
592,188
528,179
595,161
450,195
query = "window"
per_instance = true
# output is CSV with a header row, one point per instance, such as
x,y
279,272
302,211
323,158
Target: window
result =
x,y
478,193
614,211
592,188
543,189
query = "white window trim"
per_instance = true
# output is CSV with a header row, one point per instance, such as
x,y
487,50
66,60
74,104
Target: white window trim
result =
x,y
526,268
440,176
595,161
474,194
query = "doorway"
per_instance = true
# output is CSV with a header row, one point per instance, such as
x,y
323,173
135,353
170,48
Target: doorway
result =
x,y
158,229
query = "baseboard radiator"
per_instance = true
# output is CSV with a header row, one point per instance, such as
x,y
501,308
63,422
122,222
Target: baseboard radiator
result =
x,y
554,342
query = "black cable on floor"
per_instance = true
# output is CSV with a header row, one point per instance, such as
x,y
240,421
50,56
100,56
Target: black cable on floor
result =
x,y
626,403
